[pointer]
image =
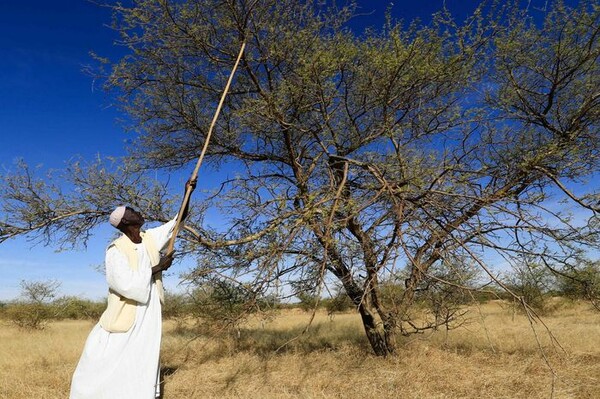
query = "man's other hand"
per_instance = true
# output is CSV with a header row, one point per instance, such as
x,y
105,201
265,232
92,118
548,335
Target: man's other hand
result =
x,y
164,263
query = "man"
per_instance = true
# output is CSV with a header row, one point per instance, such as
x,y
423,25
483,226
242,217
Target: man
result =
x,y
120,359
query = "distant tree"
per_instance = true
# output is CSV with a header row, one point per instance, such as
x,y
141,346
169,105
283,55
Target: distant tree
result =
x,y
72,307
33,310
354,154
176,305
39,291
222,305
533,283
581,282
308,301
338,303
445,292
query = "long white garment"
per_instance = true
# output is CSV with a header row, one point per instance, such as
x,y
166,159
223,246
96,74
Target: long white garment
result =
x,y
125,365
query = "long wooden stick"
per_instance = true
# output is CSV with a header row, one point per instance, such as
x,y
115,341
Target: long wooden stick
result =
x,y
188,191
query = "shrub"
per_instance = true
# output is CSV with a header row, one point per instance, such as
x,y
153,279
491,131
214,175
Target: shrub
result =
x,y
33,311
175,306
340,302
221,304
582,282
532,282
308,301
70,307
30,316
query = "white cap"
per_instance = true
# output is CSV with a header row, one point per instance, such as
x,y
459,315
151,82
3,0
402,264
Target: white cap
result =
x,y
117,215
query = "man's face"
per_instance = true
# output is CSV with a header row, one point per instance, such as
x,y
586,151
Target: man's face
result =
x,y
132,217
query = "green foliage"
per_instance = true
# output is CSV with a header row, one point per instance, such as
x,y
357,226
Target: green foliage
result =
x,y
221,304
533,284
308,301
581,282
33,311
489,293
29,316
391,292
176,306
74,308
38,305
340,302
446,290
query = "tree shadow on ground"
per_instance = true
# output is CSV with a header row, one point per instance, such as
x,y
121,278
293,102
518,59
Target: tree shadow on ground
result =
x,y
318,337
267,341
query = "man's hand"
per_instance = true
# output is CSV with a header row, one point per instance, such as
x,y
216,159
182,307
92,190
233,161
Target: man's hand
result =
x,y
191,184
164,263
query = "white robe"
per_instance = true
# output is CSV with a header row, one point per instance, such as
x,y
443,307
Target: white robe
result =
x,y
126,365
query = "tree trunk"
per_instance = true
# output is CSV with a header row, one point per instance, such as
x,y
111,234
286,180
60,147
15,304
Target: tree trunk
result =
x,y
382,340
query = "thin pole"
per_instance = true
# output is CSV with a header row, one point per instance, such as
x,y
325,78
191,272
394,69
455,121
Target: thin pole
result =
x,y
188,191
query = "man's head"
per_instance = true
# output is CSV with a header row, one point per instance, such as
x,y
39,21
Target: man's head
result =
x,y
124,216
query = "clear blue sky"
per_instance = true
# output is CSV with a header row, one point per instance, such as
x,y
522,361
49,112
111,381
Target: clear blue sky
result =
x,y
51,112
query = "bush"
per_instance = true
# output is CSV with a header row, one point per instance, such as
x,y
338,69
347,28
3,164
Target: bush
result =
x,y
175,306
533,283
70,307
581,283
30,316
222,304
340,302
33,311
391,293
308,301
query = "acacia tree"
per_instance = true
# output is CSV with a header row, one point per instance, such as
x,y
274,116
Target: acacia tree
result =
x,y
357,155
33,310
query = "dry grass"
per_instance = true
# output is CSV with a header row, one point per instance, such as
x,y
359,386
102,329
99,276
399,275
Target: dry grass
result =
x,y
332,361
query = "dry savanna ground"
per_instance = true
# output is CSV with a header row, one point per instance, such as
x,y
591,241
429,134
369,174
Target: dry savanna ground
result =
x,y
496,355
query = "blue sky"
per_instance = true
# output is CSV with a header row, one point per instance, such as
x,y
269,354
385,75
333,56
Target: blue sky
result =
x,y
50,112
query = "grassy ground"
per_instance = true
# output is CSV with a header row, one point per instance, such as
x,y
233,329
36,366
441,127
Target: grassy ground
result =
x,y
496,355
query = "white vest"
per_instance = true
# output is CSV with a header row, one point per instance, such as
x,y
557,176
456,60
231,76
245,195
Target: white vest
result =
x,y
120,311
